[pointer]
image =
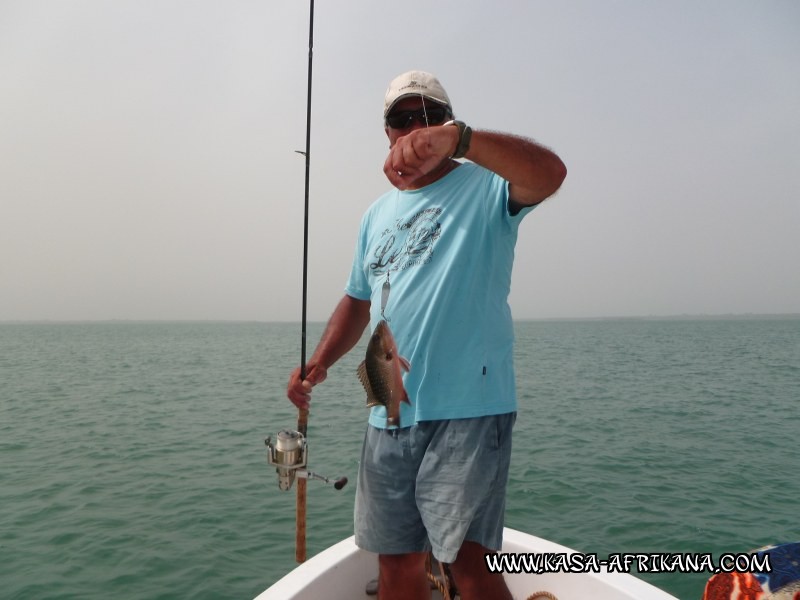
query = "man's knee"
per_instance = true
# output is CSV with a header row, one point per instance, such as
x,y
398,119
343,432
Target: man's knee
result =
x,y
473,578
402,564
402,576
470,558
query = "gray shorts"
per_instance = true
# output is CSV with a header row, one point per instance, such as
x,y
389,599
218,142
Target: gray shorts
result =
x,y
434,485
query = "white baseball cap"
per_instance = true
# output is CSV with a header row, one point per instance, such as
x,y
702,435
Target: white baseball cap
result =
x,y
415,83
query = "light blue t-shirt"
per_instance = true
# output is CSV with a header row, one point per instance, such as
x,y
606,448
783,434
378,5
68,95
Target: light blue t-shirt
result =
x,y
448,251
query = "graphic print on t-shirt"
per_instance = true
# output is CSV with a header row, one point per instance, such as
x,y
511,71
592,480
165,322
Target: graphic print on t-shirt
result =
x,y
408,244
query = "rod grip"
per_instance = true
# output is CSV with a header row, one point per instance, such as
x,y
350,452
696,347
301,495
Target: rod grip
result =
x,y
300,531
300,509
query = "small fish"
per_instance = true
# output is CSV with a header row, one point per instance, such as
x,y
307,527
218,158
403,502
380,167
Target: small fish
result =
x,y
380,373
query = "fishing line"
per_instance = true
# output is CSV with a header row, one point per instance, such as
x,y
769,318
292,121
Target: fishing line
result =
x,y
386,289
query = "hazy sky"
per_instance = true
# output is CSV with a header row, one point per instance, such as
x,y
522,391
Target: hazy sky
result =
x,y
147,164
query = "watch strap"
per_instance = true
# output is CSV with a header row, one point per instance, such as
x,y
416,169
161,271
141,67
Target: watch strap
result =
x,y
464,137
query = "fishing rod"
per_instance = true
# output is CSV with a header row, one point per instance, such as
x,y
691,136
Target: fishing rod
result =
x,y
302,415
289,453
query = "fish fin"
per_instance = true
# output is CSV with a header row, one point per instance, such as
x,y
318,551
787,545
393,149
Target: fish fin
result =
x,y
364,379
405,399
362,373
404,364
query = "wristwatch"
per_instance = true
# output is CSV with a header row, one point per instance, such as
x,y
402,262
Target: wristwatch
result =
x,y
464,137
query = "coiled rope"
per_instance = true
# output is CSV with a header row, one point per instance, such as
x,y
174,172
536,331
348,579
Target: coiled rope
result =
x,y
444,585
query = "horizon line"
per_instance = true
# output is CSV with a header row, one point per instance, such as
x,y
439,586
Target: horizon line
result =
x,y
676,316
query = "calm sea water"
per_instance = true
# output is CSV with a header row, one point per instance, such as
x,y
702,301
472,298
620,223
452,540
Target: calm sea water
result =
x,y
132,462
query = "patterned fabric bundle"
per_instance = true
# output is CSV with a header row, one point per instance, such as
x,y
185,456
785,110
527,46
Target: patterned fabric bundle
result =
x,y
782,582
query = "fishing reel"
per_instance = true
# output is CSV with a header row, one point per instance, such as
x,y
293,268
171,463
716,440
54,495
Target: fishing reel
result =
x,y
289,456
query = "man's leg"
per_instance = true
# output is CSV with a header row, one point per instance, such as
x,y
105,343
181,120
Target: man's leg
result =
x,y
473,580
462,499
402,577
387,521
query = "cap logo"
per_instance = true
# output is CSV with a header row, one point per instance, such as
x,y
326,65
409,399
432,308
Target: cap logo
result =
x,y
414,84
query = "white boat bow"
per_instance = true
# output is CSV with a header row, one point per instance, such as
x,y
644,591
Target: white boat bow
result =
x,y
343,571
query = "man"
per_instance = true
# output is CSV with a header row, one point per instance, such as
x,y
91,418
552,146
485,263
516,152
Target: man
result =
x,y
434,259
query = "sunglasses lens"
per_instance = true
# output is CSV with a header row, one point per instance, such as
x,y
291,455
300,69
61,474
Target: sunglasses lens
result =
x,y
403,118
436,115
400,120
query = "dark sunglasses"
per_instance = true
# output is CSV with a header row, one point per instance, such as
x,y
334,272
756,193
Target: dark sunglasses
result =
x,y
430,115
